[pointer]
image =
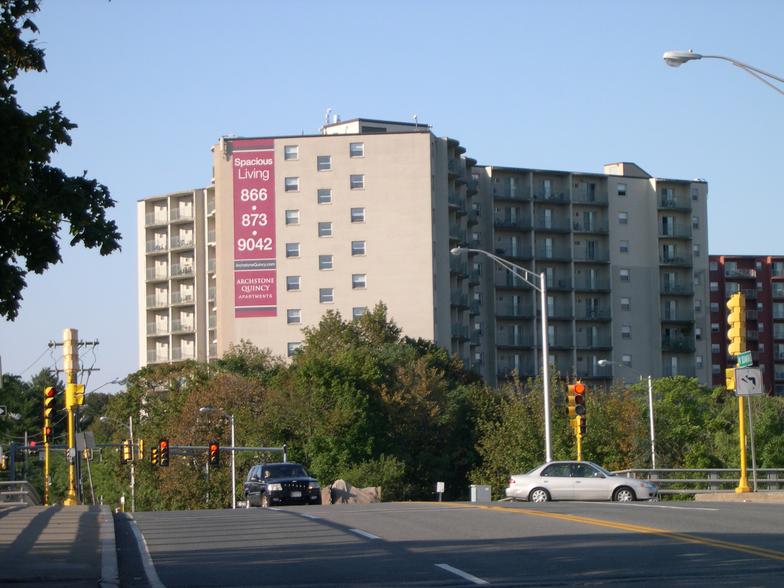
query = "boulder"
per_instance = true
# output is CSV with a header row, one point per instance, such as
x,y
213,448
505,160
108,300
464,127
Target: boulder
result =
x,y
341,492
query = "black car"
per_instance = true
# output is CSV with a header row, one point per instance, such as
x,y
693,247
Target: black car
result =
x,y
270,484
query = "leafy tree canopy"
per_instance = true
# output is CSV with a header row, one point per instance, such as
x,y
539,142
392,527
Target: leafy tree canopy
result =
x,y
36,197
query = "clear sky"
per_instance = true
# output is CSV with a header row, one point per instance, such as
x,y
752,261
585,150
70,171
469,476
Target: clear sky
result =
x,y
558,84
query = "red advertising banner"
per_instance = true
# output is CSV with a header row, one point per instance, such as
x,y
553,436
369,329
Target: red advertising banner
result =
x,y
255,271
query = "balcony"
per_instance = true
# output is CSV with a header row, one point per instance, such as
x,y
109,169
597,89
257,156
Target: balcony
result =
x,y
559,312
473,218
596,227
157,301
156,274
520,223
677,317
546,225
181,214
182,298
677,289
675,233
181,270
596,285
511,311
598,255
557,285
472,186
213,350
554,253
211,293
155,246
459,332
588,342
182,354
586,196
456,233
593,314
510,341
673,203
677,345
675,261
157,329
212,321
554,197
182,243
458,298
473,307
685,370
155,219
739,273
182,327
506,193
457,266
455,167
157,357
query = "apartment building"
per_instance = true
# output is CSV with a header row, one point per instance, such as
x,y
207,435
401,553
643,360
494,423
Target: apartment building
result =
x,y
761,279
367,211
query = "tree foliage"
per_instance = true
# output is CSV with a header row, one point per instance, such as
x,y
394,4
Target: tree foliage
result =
x,y
36,198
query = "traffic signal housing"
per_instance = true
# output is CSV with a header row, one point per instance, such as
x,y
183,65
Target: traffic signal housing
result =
x,y
154,455
579,398
214,454
49,401
163,453
570,398
125,452
47,434
736,322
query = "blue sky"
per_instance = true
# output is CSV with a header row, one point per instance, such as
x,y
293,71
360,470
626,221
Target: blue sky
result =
x,y
557,84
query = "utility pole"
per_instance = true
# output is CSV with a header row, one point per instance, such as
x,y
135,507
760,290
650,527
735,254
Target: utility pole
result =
x,y
71,367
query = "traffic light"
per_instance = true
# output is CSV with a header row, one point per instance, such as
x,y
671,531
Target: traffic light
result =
x,y
125,452
214,456
579,398
47,434
163,453
736,320
570,398
583,426
49,400
154,456
141,450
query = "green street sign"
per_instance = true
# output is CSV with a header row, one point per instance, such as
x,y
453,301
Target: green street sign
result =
x,y
744,359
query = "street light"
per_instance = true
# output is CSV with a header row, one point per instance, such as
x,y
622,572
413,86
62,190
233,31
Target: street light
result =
x,y
605,363
206,410
678,58
529,278
129,426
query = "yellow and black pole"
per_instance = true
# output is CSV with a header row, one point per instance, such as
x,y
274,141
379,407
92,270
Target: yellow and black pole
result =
x,y
49,400
74,396
736,337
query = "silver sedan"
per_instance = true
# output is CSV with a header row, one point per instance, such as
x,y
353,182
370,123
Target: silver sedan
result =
x,y
577,480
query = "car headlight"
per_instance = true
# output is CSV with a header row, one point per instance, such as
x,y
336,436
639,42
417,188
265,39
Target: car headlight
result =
x,y
274,487
314,486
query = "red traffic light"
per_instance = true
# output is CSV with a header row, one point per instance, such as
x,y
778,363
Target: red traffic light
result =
x,y
579,388
164,444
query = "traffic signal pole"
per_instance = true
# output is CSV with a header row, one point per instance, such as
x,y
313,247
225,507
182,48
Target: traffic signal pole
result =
x,y
71,366
736,337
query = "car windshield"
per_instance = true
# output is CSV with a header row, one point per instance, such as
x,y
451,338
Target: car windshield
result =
x,y
284,470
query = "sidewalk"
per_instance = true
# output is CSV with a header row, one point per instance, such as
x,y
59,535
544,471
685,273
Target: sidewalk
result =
x,y
56,546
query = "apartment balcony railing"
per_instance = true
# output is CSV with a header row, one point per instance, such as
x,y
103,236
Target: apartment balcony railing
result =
x,y
155,246
521,340
457,265
472,185
156,274
506,193
520,223
157,301
473,218
182,354
455,167
556,197
211,265
594,342
593,227
210,206
212,321
182,327
152,219
601,255
181,214
559,312
182,298
597,285
181,270
588,197
675,233
157,329
778,292
510,311
675,260
182,243
457,233
458,298
559,284
677,345
459,332
674,204
593,314
554,225
474,307
555,253
740,272
685,370
210,236
157,357
211,293
677,289
678,317
559,342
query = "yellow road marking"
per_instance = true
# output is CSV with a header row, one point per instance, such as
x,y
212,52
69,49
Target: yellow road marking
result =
x,y
684,537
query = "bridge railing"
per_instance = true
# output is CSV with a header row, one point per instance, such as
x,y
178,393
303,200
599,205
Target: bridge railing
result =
x,y
18,492
691,481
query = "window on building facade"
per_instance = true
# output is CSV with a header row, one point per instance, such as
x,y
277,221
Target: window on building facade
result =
x,y
624,246
695,222
323,162
357,248
358,311
292,249
621,189
623,217
715,368
357,181
626,303
325,229
358,281
714,327
292,217
357,215
698,305
698,333
292,283
713,266
325,262
293,347
626,331
714,307
626,360
695,194
326,295
324,196
290,152
291,184
714,286
699,361
696,249
715,348
624,275
356,150
293,316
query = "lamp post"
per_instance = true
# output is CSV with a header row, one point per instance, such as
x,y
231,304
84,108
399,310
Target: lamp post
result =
x,y
529,278
208,409
129,426
678,58
605,363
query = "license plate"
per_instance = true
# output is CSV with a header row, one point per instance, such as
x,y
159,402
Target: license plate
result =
x,y
296,494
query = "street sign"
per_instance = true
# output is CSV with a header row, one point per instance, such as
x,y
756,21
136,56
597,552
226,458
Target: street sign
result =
x,y
744,359
748,381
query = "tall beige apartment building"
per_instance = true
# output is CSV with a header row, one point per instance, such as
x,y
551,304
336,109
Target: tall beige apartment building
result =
x,y
368,211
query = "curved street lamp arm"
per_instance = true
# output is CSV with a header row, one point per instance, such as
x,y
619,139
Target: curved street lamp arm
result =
x,y
528,276
748,68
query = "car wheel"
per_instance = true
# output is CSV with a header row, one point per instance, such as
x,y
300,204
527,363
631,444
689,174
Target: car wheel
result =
x,y
264,501
624,494
539,495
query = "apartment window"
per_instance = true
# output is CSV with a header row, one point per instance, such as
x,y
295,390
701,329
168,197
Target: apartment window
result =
x,y
357,181
293,347
624,274
626,360
324,196
292,283
699,361
290,152
713,266
356,150
714,327
695,194
626,303
621,189
624,246
326,295
358,311
695,222
626,331
696,249
325,262
292,249
325,229
357,215
698,333
292,217
623,218
358,281
714,286
714,307
357,248
715,368
697,305
291,184
293,316
323,162
715,348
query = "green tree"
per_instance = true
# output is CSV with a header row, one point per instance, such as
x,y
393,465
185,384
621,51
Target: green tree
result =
x,y
36,198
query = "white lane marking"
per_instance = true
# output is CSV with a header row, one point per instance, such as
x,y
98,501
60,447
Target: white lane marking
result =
x,y
364,533
149,567
462,574
110,571
310,516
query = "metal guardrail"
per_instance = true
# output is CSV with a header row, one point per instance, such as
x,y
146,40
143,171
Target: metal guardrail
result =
x,y
18,492
718,480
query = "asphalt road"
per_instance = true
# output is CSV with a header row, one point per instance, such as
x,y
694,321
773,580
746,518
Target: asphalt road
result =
x,y
458,544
